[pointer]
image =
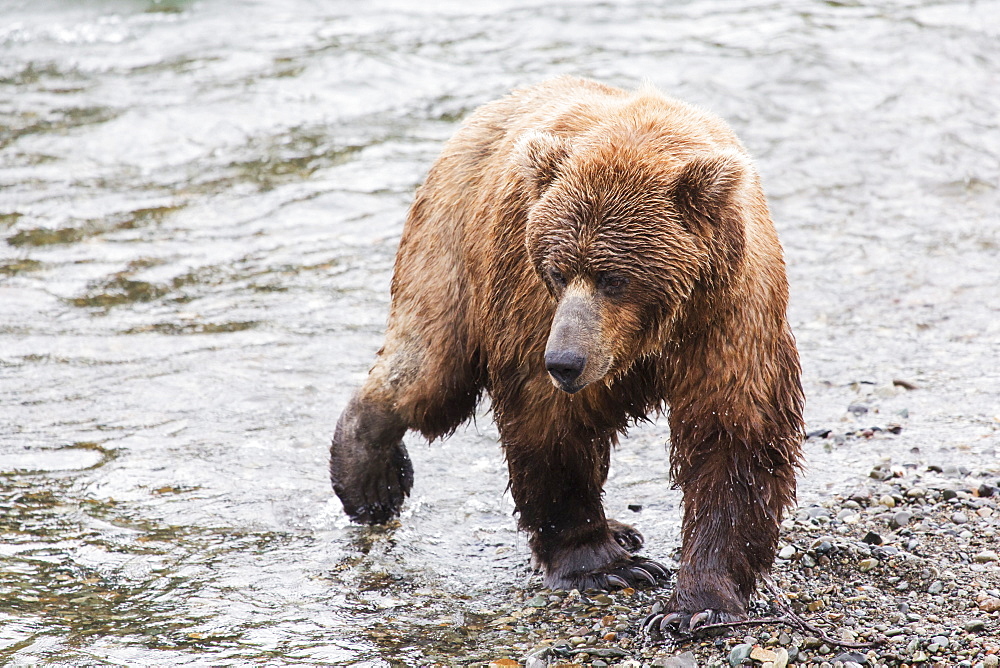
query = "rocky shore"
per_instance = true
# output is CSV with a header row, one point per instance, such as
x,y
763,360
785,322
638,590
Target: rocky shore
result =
x,y
905,562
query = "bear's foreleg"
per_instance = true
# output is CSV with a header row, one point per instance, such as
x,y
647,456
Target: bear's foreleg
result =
x,y
557,487
369,466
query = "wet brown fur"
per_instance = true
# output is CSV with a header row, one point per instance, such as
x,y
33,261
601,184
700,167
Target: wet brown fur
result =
x,y
588,180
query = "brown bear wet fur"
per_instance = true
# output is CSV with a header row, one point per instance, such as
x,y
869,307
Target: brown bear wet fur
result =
x,y
589,256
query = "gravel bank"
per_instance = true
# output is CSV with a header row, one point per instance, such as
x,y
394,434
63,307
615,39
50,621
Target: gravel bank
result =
x,y
907,559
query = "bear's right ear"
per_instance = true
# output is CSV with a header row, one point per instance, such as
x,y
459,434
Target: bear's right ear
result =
x,y
537,156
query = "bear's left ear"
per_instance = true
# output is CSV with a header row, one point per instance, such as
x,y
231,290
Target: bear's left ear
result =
x,y
707,186
537,156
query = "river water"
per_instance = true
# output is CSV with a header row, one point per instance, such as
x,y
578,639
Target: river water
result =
x,y
199,207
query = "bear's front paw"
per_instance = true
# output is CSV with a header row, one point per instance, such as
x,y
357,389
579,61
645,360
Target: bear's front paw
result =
x,y
372,488
627,572
663,620
699,599
626,535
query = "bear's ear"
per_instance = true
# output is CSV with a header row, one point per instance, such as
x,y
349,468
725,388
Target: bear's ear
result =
x,y
537,156
707,186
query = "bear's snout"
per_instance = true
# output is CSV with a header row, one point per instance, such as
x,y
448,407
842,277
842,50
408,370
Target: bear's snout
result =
x,y
574,356
565,367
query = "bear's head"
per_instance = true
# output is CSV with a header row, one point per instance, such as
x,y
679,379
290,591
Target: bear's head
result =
x,y
622,228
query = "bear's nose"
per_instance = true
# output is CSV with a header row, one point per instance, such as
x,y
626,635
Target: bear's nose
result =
x,y
565,366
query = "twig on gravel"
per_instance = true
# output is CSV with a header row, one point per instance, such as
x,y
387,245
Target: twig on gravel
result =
x,y
788,618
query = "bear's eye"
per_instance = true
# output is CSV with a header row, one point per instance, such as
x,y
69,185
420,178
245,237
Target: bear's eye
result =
x,y
557,278
611,282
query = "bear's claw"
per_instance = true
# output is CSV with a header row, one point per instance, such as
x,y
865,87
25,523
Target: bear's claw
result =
x,y
636,572
658,623
626,535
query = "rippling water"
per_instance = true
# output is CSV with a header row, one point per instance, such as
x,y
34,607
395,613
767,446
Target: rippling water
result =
x,y
199,207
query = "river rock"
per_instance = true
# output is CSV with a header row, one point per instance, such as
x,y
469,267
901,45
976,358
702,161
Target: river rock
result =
x,y
739,653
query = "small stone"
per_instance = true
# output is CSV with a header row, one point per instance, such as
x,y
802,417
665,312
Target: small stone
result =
x,y
602,600
916,492
815,606
900,519
887,501
940,641
781,658
787,552
960,518
856,657
991,661
739,653
504,663
761,654
974,626
807,561
989,604
985,557
537,602
872,538
866,565
936,587
685,660
986,490
919,657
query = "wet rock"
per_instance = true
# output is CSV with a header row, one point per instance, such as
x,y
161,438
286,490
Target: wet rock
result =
x,y
866,565
739,653
685,660
989,604
986,490
872,538
900,519
974,626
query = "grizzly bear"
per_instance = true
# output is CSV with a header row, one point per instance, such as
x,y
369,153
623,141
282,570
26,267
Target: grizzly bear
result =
x,y
588,256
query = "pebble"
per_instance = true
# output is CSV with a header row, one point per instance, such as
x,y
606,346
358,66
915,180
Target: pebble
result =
x,y
991,661
985,557
974,626
787,552
781,658
866,565
960,518
739,653
685,660
989,604
761,654
900,519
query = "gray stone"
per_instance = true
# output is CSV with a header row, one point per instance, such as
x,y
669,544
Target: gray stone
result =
x,y
900,519
936,587
739,653
985,557
974,625
991,661
941,641
960,518
685,660
787,552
